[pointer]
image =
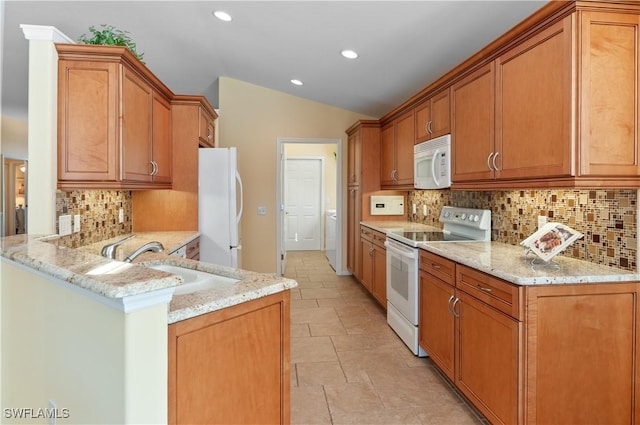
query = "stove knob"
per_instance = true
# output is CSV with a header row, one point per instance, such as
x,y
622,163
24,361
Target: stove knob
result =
x,y
477,218
471,216
446,214
463,216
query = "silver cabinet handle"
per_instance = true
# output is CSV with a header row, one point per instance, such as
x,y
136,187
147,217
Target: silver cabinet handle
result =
x,y
453,307
429,127
154,169
489,161
209,133
451,298
495,167
435,266
426,127
483,288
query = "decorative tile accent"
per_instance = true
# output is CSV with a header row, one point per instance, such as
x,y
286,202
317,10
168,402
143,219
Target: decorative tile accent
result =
x,y
607,218
98,211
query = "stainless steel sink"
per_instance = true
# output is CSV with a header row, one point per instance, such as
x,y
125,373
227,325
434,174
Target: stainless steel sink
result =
x,y
194,280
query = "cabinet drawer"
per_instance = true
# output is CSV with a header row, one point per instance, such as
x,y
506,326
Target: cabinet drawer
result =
x,y
366,233
497,293
438,266
379,238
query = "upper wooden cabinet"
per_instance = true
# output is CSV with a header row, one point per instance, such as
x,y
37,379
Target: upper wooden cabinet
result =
x,y
432,117
114,121
396,156
207,127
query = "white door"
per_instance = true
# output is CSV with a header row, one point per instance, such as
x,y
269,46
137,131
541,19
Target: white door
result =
x,y
303,194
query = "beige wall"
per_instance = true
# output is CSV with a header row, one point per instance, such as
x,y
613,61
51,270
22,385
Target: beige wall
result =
x,y
101,364
252,118
13,137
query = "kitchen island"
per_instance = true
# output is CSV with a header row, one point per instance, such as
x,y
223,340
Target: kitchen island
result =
x,y
91,335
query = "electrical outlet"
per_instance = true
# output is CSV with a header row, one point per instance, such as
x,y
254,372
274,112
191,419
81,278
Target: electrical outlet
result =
x,y
121,215
64,225
76,223
542,220
424,210
414,208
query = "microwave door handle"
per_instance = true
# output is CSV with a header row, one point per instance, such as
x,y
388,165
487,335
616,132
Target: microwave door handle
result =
x,y
433,167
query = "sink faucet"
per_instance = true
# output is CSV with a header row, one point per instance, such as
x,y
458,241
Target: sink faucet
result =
x,y
149,246
109,250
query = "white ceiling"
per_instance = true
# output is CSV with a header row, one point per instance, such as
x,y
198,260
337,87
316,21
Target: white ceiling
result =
x,y
403,45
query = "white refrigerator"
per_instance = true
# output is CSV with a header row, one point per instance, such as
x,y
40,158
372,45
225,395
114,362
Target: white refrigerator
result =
x,y
219,205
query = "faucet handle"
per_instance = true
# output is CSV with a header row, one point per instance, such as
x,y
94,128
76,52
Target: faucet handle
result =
x,y
109,250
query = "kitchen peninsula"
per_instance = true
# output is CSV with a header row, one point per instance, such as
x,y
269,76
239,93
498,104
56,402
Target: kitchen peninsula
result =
x,y
100,337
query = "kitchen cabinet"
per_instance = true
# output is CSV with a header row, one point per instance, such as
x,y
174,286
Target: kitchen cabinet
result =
x,y
232,365
363,177
190,250
114,121
538,354
156,210
207,127
433,117
396,155
564,116
374,264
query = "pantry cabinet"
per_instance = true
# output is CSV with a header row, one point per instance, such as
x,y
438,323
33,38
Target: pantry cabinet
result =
x,y
432,117
396,156
535,354
114,121
374,264
363,177
232,365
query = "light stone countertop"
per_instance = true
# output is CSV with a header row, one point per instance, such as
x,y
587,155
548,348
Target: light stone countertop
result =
x,y
116,279
508,262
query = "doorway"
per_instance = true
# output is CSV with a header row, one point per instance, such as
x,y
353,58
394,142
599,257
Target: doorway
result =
x,y
303,194
330,198
14,196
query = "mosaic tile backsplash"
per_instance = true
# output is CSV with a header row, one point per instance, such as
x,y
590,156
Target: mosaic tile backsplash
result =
x,y
98,211
607,218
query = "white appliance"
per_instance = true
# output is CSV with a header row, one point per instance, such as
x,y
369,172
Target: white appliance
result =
x,y
459,225
387,205
432,163
330,238
219,205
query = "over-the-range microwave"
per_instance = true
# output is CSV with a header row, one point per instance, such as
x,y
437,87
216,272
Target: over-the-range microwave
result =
x,y
432,163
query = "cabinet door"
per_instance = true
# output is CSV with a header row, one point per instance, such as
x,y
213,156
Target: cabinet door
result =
x,y
472,125
436,323
440,114
354,163
422,114
137,100
366,256
206,129
380,275
533,106
87,121
582,355
489,359
405,137
387,155
609,78
353,231
161,135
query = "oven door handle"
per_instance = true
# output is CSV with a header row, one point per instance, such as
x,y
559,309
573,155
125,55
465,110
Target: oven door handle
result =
x,y
399,251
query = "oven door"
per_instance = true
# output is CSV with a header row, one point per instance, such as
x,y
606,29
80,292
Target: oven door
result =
x,y
402,279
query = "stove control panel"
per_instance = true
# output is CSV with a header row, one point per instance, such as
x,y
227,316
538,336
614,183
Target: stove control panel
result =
x,y
468,217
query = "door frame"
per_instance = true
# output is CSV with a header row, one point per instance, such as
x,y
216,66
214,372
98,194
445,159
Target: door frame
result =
x,y
280,166
322,191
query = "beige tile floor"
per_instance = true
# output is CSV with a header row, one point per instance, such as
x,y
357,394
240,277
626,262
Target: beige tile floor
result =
x,y
348,366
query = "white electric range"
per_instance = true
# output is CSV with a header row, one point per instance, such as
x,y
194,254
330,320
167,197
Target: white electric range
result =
x,y
459,225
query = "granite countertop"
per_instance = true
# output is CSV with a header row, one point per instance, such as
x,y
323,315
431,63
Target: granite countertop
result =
x,y
117,279
508,262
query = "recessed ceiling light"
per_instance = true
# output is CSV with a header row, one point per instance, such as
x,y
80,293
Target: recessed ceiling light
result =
x,y
349,54
223,16
296,82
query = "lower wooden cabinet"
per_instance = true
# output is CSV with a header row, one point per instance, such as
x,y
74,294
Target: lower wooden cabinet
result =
x,y
374,264
539,354
232,366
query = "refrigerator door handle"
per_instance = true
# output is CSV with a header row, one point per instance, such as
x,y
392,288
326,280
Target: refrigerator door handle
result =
x,y
239,216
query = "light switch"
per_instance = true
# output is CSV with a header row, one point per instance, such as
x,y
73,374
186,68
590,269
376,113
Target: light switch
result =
x,y
121,215
414,209
424,210
64,225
